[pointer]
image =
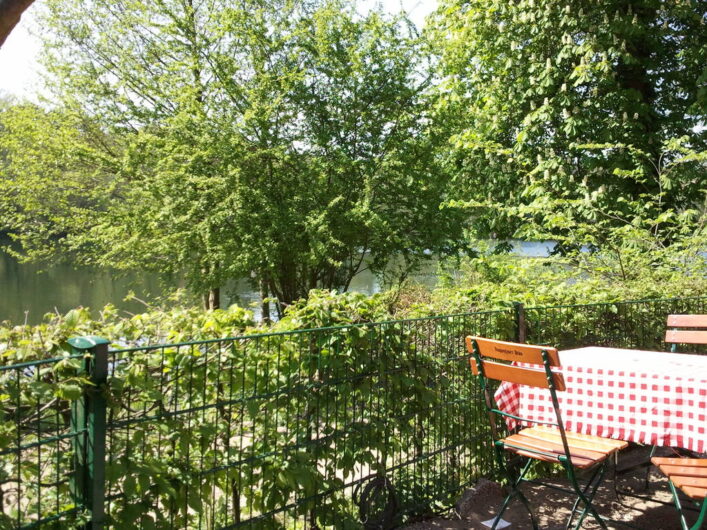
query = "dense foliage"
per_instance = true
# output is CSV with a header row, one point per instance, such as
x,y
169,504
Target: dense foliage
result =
x,y
296,143
49,186
286,142
279,428
572,109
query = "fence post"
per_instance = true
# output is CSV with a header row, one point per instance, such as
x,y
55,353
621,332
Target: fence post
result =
x,y
88,414
521,329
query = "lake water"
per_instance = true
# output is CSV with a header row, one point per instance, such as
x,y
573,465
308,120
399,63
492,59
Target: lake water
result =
x,y
28,291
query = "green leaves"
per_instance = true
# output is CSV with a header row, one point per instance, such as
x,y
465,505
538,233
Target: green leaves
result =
x,y
47,186
289,144
69,391
538,78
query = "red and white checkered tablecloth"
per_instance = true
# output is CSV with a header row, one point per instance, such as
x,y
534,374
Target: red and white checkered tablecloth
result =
x,y
647,397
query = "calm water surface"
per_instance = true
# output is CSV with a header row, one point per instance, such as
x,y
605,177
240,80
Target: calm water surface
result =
x,y
28,291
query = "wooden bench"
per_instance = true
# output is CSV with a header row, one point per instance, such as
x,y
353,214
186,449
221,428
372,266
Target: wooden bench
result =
x,y
687,474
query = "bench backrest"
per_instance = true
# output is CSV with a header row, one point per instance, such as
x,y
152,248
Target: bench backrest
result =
x,y
688,329
491,351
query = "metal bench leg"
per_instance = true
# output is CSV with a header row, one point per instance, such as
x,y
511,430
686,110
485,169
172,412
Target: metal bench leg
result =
x,y
703,516
583,498
514,485
678,507
593,484
647,481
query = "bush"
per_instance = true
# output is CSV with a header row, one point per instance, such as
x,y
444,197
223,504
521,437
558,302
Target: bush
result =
x,y
495,281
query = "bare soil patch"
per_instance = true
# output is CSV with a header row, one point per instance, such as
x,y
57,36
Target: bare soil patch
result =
x,y
552,508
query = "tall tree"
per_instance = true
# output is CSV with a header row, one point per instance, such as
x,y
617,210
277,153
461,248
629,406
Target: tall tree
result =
x,y
525,85
279,140
48,180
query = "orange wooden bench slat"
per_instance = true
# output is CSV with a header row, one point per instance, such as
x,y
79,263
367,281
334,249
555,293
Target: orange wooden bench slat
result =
x,y
695,493
582,441
518,374
692,482
687,321
685,471
510,351
577,460
554,447
519,446
581,463
549,441
684,336
671,461
580,436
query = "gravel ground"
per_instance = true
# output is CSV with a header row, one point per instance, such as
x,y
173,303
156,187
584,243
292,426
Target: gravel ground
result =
x,y
552,508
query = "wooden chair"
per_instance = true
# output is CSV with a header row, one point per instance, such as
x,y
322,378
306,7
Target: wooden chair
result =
x,y
546,441
690,475
687,329
683,329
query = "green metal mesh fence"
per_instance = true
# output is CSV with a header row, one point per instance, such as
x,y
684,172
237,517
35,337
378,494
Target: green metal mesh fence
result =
x,y
37,437
637,324
289,430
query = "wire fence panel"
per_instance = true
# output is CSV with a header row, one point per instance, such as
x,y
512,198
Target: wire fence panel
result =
x,y
633,324
37,442
360,426
321,428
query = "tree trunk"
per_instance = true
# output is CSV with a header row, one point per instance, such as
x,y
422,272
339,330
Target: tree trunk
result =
x,y
212,299
215,298
635,76
265,307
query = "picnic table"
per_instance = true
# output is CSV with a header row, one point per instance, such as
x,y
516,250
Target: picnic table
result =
x,y
647,397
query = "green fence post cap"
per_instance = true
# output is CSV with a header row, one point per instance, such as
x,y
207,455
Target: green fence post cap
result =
x,y
86,343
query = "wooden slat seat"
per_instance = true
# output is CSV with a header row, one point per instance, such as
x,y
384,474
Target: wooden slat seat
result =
x,y
688,474
545,443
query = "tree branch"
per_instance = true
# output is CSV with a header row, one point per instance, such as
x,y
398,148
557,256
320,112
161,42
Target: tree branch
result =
x,y
10,14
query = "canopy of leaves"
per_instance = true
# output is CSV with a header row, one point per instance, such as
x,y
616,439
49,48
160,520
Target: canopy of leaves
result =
x,y
284,141
50,185
525,85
